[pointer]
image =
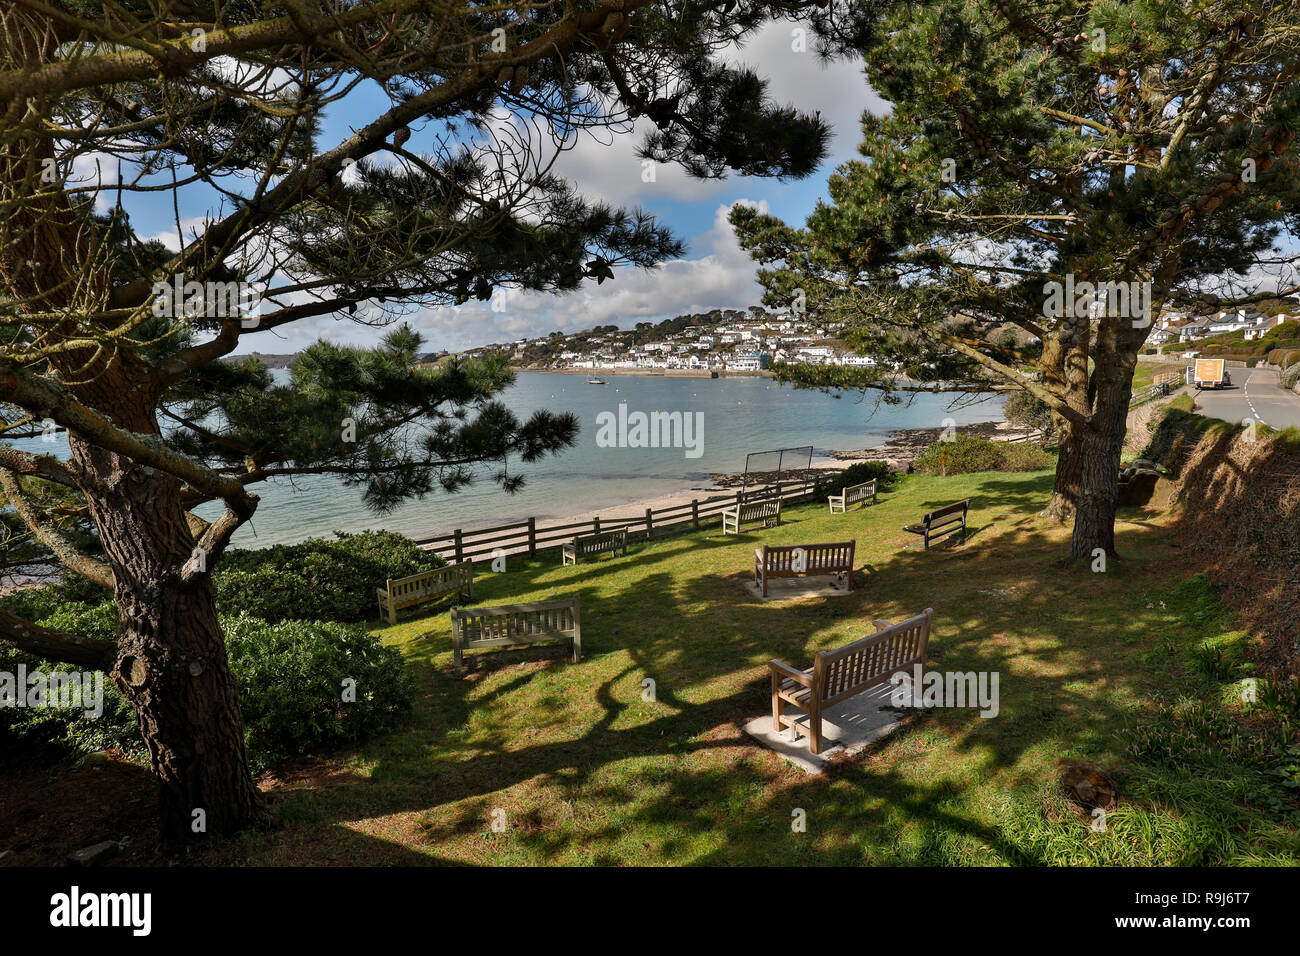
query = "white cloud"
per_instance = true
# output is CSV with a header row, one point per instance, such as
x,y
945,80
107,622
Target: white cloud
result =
x,y
96,173
722,279
606,166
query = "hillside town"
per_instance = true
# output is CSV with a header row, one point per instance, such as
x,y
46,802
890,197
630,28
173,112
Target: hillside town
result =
x,y
1181,326
734,341
723,340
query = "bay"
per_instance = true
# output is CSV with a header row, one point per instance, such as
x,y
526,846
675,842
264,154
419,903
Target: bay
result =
x,y
740,415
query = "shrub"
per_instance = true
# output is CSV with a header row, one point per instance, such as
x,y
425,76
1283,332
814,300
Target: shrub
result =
x,y
318,579
34,603
855,474
39,734
1023,456
292,680
1028,411
1291,376
291,689
970,453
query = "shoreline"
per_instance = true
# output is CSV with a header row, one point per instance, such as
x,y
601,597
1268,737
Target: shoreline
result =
x,y
650,372
899,451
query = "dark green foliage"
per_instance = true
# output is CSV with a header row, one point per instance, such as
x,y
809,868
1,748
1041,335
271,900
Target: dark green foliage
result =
x,y
35,603
970,453
318,579
44,734
291,682
855,474
1028,411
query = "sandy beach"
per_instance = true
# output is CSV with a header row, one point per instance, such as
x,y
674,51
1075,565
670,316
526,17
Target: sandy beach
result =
x,y
900,450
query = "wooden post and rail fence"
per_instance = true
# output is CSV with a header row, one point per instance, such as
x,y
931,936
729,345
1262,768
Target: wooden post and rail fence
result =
x,y
527,537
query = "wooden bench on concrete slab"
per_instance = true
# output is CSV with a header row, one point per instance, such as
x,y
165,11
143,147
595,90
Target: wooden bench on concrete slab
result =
x,y
426,586
766,511
845,672
511,625
586,545
946,521
852,495
802,560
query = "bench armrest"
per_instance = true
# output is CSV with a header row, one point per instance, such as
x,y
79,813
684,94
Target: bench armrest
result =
x,y
785,670
881,624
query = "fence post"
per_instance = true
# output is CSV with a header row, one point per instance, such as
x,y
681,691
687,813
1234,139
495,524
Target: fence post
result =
x,y
695,513
649,523
532,537
460,551
595,525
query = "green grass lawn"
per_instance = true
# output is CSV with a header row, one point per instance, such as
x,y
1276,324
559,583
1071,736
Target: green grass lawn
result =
x,y
1110,668
1144,375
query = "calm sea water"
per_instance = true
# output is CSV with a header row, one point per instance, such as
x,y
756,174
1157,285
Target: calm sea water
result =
x,y
740,415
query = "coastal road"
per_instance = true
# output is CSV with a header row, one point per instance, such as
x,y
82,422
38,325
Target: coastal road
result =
x,y
1255,393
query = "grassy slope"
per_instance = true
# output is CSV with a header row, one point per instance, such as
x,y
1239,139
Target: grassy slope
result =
x,y
587,772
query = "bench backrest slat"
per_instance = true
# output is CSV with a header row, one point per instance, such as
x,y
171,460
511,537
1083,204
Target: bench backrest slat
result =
x,y
954,512
855,667
416,588
781,557
586,544
476,626
765,508
857,492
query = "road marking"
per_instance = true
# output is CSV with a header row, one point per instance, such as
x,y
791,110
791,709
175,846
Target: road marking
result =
x,y
1246,391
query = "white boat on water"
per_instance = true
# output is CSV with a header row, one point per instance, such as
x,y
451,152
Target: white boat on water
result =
x,y
595,381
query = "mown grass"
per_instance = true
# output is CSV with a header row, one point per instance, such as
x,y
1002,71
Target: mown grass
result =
x,y
580,769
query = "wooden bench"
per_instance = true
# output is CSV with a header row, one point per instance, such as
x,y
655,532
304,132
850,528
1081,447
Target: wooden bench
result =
x,y
942,523
406,592
765,510
852,495
846,671
508,625
586,545
799,560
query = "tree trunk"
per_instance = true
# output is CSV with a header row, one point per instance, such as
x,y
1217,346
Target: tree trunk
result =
x,y
1065,488
171,662
1099,457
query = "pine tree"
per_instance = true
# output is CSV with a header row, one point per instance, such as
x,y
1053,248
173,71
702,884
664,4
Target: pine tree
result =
x,y
1143,145
225,102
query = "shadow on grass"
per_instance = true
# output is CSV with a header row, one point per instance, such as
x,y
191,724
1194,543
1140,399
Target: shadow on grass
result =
x,y
687,776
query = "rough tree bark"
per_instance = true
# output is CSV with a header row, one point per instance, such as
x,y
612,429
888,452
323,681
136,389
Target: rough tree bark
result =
x,y
1100,452
171,660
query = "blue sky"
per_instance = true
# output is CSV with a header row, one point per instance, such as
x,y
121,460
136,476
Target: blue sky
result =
x,y
714,273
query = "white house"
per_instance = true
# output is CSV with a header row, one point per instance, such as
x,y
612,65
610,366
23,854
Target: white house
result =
x,y
1194,330
857,361
1261,329
748,361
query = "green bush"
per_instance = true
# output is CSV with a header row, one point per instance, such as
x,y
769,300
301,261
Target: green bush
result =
x,y
1291,376
318,579
971,453
315,580
855,474
1028,411
34,603
291,689
293,677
